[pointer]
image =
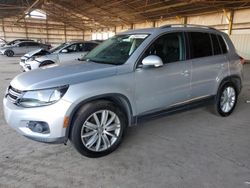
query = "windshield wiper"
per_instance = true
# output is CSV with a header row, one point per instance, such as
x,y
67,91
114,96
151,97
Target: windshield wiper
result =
x,y
96,61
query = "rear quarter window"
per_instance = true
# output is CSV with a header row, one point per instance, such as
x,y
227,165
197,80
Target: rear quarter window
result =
x,y
222,44
216,44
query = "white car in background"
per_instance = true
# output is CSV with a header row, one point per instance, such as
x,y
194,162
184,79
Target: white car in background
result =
x,y
64,53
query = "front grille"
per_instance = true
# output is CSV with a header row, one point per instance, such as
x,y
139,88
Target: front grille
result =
x,y
13,94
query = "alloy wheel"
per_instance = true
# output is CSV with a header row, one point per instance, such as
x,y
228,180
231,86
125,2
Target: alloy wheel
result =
x,y
101,130
228,99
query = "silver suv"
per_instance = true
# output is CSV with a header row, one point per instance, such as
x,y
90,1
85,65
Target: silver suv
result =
x,y
134,75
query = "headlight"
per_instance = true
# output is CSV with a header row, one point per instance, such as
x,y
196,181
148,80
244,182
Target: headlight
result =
x,y
42,97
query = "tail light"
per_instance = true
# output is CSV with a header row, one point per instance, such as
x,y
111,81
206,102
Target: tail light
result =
x,y
242,60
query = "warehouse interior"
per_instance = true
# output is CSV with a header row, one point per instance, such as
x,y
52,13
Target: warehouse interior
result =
x,y
193,148
62,20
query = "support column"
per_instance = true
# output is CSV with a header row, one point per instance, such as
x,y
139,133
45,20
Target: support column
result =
x,y
47,32
4,36
26,30
65,34
185,20
154,23
229,16
132,26
230,24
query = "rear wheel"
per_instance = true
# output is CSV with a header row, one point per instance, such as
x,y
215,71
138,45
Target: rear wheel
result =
x,y
9,53
98,129
226,99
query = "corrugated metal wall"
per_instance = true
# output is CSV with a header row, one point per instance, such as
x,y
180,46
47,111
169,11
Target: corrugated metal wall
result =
x,y
40,30
242,44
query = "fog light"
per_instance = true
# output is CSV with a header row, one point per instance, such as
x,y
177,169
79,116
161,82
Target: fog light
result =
x,y
38,127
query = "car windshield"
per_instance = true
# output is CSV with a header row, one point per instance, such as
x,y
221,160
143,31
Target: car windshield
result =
x,y
58,47
116,50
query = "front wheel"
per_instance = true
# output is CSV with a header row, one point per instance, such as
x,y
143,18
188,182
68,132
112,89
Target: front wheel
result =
x,y
98,129
226,99
9,53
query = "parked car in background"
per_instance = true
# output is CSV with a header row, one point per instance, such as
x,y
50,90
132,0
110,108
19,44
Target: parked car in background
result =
x,y
17,41
21,48
64,53
2,42
134,75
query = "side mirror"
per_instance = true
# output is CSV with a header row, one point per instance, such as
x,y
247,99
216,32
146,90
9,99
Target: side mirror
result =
x,y
64,51
152,60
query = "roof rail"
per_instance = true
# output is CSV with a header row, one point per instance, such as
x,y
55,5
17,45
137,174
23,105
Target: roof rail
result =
x,y
186,25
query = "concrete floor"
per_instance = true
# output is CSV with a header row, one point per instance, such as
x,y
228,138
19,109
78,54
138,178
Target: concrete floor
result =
x,y
193,149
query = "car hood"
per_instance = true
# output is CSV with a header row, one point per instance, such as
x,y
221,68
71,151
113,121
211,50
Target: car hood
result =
x,y
67,74
33,53
5,47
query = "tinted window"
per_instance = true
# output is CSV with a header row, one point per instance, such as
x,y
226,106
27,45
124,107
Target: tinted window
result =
x,y
32,44
23,44
90,46
222,44
200,44
72,48
216,45
168,47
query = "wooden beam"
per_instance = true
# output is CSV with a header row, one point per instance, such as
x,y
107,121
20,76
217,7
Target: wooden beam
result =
x,y
29,9
109,12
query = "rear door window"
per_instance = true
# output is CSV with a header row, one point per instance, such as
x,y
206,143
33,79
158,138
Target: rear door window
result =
x,y
22,44
200,44
90,46
32,44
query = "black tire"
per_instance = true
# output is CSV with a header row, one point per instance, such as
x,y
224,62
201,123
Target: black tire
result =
x,y
217,106
45,63
83,115
9,53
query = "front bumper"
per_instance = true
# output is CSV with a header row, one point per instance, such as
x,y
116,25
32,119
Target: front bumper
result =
x,y
2,52
24,66
18,118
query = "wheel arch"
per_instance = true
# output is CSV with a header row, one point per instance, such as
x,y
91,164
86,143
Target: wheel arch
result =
x,y
118,99
46,62
8,50
235,79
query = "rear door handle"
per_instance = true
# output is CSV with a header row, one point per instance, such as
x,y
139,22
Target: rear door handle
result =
x,y
185,73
